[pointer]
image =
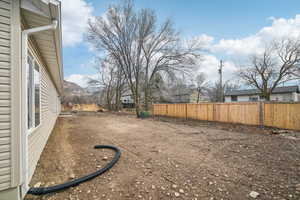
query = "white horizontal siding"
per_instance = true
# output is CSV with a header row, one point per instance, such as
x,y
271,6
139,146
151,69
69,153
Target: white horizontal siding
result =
x,y
4,27
4,178
5,118
5,5
5,171
4,13
38,139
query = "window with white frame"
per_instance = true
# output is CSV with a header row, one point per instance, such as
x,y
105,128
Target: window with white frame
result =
x,y
33,92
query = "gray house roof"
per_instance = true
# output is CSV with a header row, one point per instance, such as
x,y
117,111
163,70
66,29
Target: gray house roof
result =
x,y
278,90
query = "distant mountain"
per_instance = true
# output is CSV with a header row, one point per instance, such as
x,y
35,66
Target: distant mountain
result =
x,y
73,93
72,89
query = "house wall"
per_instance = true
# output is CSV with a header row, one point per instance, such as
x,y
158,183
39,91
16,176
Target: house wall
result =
x,y
282,97
10,104
243,98
5,94
274,97
296,97
127,99
50,109
227,99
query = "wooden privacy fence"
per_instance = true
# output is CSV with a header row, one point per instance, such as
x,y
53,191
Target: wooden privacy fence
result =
x,y
281,115
81,107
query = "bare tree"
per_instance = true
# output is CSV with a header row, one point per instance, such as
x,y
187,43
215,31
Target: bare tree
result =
x,y
121,33
201,85
276,65
165,54
213,90
111,81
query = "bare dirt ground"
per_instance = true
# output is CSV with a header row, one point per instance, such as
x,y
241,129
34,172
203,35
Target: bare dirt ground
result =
x,y
169,160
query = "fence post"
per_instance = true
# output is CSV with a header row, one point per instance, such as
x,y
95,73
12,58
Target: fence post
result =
x,y
167,112
261,113
152,109
186,112
214,112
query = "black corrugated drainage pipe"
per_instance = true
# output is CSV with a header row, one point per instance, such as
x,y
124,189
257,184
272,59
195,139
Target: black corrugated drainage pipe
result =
x,y
75,182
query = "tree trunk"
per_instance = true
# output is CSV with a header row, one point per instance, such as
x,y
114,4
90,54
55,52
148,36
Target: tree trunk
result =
x,y
268,95
146,98
147,87
198,96
117,106
137,106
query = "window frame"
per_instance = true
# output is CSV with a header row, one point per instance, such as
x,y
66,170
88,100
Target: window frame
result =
x,y
234,98
35,64
254,98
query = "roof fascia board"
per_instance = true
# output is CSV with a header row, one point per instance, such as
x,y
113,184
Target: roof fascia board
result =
x,y
28,5
55,12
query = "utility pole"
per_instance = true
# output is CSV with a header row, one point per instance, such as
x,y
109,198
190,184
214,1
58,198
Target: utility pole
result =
x,y
221,80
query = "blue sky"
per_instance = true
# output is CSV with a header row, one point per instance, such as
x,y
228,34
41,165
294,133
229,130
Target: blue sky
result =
x,y
227,26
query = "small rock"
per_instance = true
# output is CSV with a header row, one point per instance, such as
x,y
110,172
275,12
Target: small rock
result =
x,y
72,176
174,186
254,194
153,187
38,184
176,194
181,190
275,132
105,158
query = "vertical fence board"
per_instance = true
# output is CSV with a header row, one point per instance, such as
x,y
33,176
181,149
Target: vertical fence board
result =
x,y
282,115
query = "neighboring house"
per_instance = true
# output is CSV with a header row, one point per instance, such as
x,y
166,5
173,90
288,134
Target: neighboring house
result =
x,y
184,98
127,100
30,87
284,94
190,96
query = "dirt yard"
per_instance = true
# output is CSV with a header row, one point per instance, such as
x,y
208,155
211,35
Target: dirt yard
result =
x,y
168,160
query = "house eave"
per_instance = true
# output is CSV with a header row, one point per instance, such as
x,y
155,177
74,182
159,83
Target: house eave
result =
x,y
37,13
228,95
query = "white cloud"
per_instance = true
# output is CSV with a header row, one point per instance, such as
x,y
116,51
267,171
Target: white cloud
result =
x,y
209,65
237,50
203,40
280,28
80,79
75,15
245,46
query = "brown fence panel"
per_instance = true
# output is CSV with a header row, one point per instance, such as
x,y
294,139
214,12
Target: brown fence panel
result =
x,y
221,112
177,110
160,109
282,115
202,111
244,113
81,107
192,111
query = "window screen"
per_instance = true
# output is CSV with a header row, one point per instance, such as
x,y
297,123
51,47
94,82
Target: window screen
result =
x,y
33,92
